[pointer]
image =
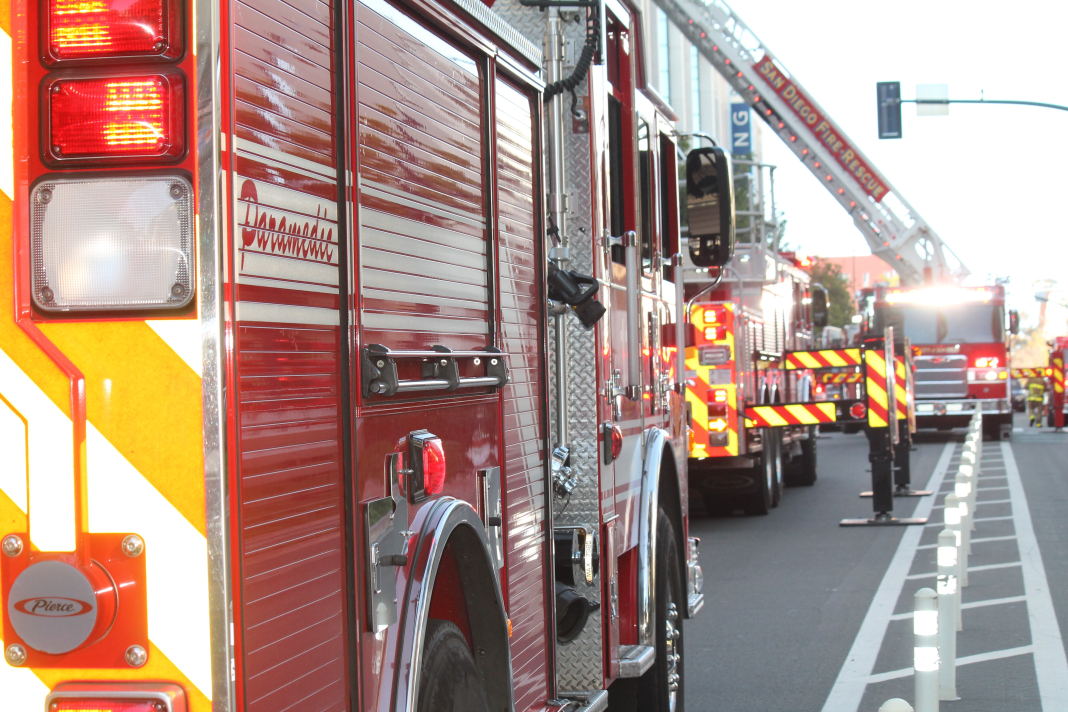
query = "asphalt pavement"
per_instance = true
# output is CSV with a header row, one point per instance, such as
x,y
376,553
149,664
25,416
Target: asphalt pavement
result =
x,y
802,614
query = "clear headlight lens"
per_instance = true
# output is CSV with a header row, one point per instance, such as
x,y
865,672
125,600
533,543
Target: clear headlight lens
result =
x,y
112,243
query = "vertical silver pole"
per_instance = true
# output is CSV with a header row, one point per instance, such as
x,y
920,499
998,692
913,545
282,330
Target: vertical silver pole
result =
x,y
682,317
634,335
561,252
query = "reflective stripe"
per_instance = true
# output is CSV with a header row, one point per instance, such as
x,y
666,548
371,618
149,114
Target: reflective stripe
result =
x,y
121,500
876,385
50,453
826,358
771,416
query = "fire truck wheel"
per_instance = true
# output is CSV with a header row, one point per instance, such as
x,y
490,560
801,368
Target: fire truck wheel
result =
x,y
759,503
448,680
661,689
802,470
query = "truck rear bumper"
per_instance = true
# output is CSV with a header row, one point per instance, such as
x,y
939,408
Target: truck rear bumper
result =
x,y
956,413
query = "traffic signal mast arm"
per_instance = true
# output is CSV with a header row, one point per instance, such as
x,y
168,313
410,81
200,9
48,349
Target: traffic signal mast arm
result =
x,y
893,229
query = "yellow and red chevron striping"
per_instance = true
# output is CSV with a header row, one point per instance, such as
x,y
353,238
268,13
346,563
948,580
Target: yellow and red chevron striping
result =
x,y
1058,374
826,358
1029,372
900,388
841,377
878,401
772,416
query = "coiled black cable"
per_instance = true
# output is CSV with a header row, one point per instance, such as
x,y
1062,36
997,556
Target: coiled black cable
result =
x,y
584,61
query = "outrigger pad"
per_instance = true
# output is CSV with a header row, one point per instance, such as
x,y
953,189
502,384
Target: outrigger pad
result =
x,y
883,520
904,493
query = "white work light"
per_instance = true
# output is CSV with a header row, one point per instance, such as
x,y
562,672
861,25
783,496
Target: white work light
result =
x,y
112,243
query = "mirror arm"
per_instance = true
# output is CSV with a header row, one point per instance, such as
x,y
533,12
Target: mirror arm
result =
x,y
634,364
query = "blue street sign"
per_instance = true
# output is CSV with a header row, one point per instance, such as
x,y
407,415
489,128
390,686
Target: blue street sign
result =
x,y
741,130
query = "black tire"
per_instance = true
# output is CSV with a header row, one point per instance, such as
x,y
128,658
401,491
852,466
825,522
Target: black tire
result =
x,y
759,503
448,681
658,689
802,471
776,462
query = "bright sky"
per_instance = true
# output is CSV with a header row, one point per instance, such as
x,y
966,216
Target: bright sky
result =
x,y
992,181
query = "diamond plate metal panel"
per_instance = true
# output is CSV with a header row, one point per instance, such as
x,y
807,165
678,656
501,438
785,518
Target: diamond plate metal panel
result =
x,y
579,665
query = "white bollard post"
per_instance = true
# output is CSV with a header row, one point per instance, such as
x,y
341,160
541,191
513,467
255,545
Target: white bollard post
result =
x,y
962,487
970,473
951,517
925,650
896,705
964,550
947,615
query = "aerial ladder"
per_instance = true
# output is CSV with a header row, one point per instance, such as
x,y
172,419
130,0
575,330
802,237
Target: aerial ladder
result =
x,y
895,232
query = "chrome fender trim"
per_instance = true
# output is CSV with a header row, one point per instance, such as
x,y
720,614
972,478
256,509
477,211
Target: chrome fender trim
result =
x,y
657,441
455,520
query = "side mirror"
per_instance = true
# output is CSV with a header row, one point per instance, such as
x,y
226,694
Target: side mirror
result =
x,y
710,206
1014,322
820,313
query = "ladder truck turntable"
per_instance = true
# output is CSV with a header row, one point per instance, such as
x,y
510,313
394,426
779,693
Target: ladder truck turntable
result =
x,y
343,368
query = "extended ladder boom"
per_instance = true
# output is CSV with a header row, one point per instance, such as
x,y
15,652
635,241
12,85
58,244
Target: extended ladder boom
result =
x,y
894,230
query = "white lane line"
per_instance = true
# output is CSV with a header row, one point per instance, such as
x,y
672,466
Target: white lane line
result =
x,y
848,690
977,520
991,489
974,541
966,660
1051,665
986,501
971,604
988,567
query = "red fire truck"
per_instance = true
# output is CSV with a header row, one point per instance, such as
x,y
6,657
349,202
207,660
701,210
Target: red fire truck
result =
x,y
959,338
285,424
744,324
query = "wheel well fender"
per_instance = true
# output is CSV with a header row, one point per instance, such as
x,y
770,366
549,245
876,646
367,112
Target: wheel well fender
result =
x,y
660,489
472,599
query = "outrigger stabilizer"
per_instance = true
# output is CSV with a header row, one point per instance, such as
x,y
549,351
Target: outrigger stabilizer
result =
x,y
885,445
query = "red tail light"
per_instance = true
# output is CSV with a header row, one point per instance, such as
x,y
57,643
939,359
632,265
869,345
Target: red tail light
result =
x,y
99,29
115,118
98,704
858,411
434,466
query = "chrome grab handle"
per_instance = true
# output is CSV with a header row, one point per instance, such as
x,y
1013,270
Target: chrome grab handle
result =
x,y
440,366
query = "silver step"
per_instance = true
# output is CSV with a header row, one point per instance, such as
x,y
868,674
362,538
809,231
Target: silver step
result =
x,y
634,660
582,702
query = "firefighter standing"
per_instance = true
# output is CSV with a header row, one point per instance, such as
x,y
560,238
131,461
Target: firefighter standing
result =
x,y
1036,394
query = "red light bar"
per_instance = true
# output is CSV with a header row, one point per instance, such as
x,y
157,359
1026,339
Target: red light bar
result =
x,y
115,118
110,29
100,704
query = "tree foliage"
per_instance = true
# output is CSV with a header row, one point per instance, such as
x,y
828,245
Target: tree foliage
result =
x,y
839,300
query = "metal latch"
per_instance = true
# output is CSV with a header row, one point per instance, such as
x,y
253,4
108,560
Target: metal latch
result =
x,y
386,528
492,515
563,481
